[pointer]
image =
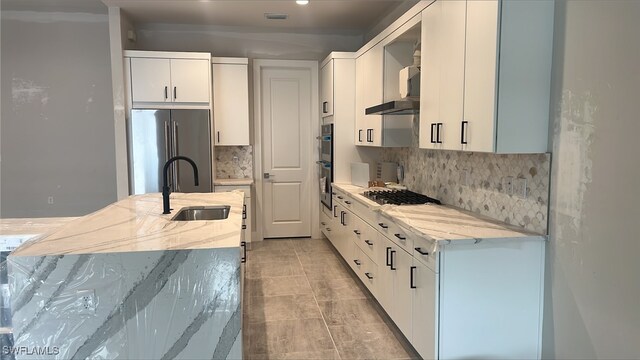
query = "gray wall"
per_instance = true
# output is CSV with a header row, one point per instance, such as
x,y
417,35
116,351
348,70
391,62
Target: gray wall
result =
x,y
57,136
592,307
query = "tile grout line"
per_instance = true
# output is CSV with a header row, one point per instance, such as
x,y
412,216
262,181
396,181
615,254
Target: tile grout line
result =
x,y
335,347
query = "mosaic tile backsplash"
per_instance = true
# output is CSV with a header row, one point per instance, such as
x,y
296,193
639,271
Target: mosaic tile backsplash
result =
x,y
475,181
234,162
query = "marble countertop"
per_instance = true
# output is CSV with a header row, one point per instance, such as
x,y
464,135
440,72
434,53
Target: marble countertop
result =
x,y
137,224
232,182
31,226
440,222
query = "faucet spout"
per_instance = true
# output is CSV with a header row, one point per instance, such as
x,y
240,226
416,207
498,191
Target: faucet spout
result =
x,y
165,180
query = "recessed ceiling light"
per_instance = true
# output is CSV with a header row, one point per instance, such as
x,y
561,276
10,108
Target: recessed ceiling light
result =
x,y
302,2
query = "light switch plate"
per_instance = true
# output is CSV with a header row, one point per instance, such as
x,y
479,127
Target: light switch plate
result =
x,y
520,187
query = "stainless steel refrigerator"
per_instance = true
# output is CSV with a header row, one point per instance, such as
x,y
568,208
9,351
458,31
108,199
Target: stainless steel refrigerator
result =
x,y
157,135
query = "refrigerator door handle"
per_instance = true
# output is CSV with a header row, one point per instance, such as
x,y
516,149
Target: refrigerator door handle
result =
x,y
176,172
167,149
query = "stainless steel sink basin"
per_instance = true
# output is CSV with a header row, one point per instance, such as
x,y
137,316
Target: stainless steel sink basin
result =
x,y
194,213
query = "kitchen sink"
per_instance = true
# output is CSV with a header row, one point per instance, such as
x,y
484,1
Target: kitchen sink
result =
x,y
194,213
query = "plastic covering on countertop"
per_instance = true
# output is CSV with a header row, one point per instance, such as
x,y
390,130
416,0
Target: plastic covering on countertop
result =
x,y
404,222
176,304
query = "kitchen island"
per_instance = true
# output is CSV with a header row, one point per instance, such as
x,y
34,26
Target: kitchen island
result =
x,y
128,282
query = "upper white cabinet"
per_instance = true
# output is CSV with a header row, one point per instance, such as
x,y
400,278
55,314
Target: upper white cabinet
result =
x,y
167,79
506,64
327,85
369,92
442,75
230,101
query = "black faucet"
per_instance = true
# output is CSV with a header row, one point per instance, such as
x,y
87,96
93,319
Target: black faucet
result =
x,y
165,186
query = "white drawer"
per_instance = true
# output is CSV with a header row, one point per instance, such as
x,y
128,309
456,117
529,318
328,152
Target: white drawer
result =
x,y
394,233
364,267
423,252
369,244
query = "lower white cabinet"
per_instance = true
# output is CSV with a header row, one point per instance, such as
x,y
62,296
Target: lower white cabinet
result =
x,y
246,210
471,299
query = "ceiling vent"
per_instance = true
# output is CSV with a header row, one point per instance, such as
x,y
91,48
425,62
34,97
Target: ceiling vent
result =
x,y
275,16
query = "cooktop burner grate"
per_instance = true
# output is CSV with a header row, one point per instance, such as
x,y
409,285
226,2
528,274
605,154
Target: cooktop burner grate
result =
x,y
399,197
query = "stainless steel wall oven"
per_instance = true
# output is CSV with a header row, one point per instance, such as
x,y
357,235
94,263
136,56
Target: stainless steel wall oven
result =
x,y
326,164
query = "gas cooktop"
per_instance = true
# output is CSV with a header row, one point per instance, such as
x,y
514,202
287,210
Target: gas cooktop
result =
x,y
398,197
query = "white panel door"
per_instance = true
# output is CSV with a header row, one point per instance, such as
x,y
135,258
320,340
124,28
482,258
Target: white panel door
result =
x,y
150,80
286,112
190,80
480,74
231,104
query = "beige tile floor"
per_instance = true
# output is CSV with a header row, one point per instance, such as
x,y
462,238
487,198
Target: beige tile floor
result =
x,y
303,302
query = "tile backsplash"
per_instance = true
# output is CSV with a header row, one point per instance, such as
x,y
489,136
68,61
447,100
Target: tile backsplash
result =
x,y
234,162
476,181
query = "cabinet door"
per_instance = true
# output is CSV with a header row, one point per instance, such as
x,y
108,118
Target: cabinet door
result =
x,y
481,54
402,291
369,77
424,311
190,81
385,275
150,80
327,89
360,136
230,104
442,78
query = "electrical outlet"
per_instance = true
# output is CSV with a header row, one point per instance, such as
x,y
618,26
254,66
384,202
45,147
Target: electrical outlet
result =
x,y
86,302
50,200
464,177
507,185
520,187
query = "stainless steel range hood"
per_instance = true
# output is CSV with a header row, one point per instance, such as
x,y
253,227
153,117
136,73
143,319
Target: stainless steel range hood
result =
x,y
396,107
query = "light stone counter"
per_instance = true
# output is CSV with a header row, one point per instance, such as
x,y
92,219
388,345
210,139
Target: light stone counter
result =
x,y
233,182
137,224
31,226
126,282
440,222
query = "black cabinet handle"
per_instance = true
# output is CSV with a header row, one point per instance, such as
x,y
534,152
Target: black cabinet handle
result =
x,y
419,250
360,135
356,232
369,276
370,135
433,141
382,225
243,244
463,133
412,277
400,236
388,262
175,92
335,207
325,107
244,227
329,229
244,211
340,197
218,134
343,217
368,242
439,128
391,257
357,262
347,202
323,223
166,92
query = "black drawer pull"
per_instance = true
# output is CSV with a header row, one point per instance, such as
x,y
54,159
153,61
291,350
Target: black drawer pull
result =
x,y
368,242
347,202
335,207
419,250
463,133
392,265
400,237
323,223
360,135
244,227
387,261
340,197
369,276
342,220
329,229
244,211
412,284
382,225
357,262
356,232
243,244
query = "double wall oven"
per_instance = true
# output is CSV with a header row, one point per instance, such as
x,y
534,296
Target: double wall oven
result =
x,y
326,164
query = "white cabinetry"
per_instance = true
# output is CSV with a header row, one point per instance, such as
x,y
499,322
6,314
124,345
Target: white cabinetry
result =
x,y
246,209
230,101
448,304
369,92
506,62
158,78
327,80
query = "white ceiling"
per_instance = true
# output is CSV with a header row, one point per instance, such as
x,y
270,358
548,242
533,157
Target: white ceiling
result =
x,y
78,6
318,15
